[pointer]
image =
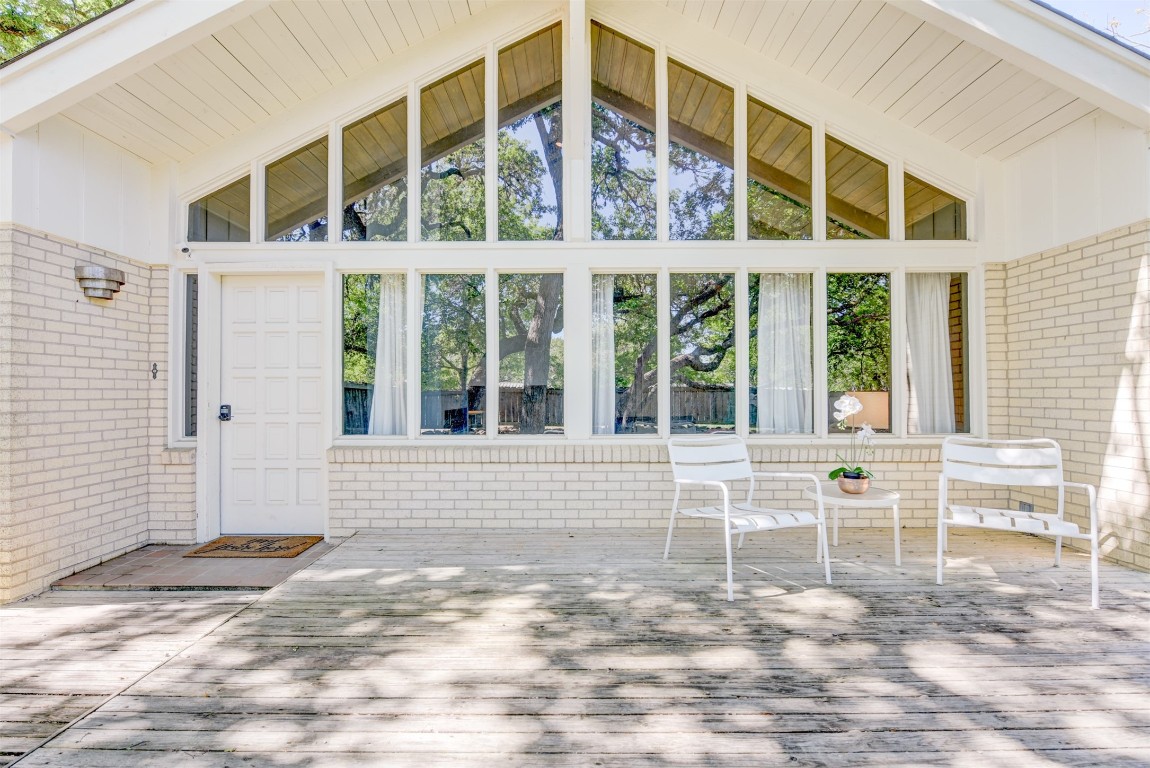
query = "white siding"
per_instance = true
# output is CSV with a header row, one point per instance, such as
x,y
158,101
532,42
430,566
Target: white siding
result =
x,y
1090,177
79,186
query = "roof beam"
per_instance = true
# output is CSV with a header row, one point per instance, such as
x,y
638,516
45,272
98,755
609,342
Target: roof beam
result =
x,y
110,48
1048,46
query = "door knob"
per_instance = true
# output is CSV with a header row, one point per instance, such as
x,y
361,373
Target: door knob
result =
x,y
225,413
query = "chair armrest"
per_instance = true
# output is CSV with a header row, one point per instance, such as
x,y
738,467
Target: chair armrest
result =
x,y
1092,496
800,475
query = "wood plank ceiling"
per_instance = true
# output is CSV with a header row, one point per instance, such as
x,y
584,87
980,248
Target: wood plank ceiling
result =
x,y
292,50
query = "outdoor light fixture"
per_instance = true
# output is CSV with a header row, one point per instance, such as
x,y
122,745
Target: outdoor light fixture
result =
x,y
99,282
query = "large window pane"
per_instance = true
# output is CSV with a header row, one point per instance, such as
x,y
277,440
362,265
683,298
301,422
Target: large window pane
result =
x,y
531,354
779,174
297,195
857,199
452,158
932,214
453,361
858,345
224,216
624,345
622,137
701,156
780,355
702,353
531,138
375,176
375,354
936,353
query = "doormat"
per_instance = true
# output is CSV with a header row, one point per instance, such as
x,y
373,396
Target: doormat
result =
x,y
255,546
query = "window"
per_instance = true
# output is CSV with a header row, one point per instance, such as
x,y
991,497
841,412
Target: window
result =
x,y
191,353
779,173
932,214
780,354
375,354
624,347
622,137
224,216
374,200
702,353
701,114
936,353
856,194
453,355
531,138
297,195
452,156
858,345
531,354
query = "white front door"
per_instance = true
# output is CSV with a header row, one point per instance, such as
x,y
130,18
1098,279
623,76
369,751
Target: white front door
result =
x,y
271,451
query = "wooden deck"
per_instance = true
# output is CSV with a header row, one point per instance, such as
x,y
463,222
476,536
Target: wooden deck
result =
x,y
584,648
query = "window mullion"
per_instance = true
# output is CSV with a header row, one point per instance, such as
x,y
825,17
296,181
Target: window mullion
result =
x,y
491,402
742,352
491,142
819,351
663,334
414,338
662,149
899,397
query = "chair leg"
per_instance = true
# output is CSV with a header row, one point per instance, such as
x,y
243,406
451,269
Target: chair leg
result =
x,y
730,569
825,550
1057,551
671,525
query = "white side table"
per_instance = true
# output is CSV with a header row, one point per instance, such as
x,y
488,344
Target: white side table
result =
x,y
874,498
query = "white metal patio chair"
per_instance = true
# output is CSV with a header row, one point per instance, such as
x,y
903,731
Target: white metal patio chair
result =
x,y
719,462
1015,463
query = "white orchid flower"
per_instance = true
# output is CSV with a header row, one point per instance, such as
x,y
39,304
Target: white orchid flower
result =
x,y
866,433
846,406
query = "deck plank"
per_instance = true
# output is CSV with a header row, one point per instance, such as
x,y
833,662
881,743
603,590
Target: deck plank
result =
x,y
520,648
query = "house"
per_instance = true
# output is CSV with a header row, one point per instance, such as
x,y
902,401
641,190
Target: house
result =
x,y
225,309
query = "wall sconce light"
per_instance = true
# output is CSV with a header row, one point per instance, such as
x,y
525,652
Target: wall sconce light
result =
x,y
99,282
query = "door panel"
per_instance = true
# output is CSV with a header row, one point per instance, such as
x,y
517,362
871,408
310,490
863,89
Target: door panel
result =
x,y
272,373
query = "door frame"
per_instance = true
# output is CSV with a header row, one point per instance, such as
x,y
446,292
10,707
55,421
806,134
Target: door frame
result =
x,y
209,509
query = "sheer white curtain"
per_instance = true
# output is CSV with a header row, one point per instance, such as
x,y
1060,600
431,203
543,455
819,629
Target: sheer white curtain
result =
x,y
389,397
603,353
784,381
928,350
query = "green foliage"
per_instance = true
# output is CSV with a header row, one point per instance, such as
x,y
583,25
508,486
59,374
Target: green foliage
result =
x,y
858,332
380,215
25,24
360,326
454,332
702,200
622,177
523,212
772,215
453,196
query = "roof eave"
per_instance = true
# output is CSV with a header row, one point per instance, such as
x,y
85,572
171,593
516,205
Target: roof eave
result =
x,y
114,46
1050,46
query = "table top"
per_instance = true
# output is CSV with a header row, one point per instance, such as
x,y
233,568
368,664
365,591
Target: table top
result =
x,y
874,497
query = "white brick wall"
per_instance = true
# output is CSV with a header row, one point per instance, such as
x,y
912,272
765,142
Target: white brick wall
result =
x,y
1071,361
81,419
609,486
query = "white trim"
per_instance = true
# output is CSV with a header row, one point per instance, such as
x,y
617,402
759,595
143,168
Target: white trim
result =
x,y
742,352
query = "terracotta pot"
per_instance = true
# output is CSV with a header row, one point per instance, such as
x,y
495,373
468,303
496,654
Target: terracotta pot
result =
x,y
854,484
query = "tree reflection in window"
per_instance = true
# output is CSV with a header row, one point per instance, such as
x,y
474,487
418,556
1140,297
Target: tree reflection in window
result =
x,y
531,354
702,333
530,138
622,137
701,159
859,343
453,159
453,364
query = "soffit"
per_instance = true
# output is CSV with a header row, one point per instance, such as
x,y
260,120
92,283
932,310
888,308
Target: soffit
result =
x,y
284,53
900,65
258,68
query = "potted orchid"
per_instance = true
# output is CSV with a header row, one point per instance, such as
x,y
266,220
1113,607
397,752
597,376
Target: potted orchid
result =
x,y
852,477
